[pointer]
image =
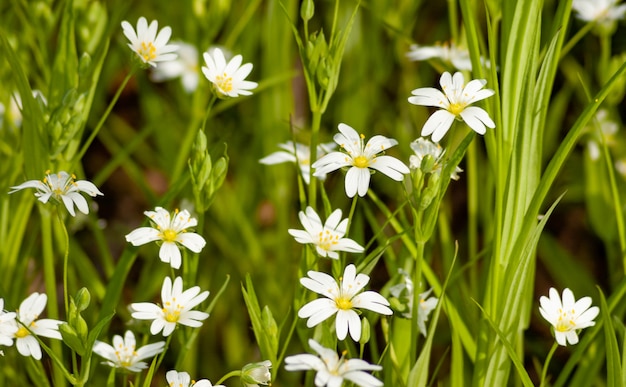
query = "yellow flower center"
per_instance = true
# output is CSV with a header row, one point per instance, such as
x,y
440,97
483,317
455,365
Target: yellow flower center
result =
x,y
147,51
171,312
169,235
343,303
361,162
456,108
326,240
22,332
565,323
224,82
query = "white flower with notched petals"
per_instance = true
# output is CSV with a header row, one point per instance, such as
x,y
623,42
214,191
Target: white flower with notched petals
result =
x,y
8,325
63,188
423,148
568,315
361,158
185,67
454,103
332,370
150,46
170,231
228,78
125,354
299,154
341,299
182,379
176,308
327,238
28,317
602,11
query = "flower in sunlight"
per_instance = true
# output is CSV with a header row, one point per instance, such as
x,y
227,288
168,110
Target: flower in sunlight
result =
x,y
229,79
433,153
182,379
63,188
125,354
8,325
567,316
328,237
333,370
149,43
176,308
185,67
170,232
362,158
454,103
341,299
459,57
256,374
605,12
299,154
27,323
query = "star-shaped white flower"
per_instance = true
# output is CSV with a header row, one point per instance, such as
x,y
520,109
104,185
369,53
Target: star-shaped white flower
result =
x,y
300,154
341,299
8,326
327,238
150,46
601,11
228,78
567,316
125,354
185,67
28,316
361,158
176,308
170,231
63,188
332,370
182,379
423,148
454,103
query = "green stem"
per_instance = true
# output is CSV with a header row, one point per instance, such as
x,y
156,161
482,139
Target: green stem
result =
x,y
48,263
229,375
576,38
544,371
65,263
107,112
417,279
315,129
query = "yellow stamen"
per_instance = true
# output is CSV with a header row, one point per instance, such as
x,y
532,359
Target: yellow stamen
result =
x,y
343,303
224,82
147,51
361,162
456,108
169,235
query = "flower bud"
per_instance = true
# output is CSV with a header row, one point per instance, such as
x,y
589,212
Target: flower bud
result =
x,y
254,374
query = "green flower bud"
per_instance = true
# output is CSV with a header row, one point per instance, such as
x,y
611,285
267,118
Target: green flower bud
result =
x,y
307,9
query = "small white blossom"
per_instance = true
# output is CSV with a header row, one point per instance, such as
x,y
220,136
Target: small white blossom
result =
x,y
299,154
170,231
361,158
567,316
182,379
459,57
604,130
327,238
176,308
422,148
228,78
332,370
185,66
454,103
63,188
8,325
605,12
150,46
28,316
426,306
124,354
255,374
341,299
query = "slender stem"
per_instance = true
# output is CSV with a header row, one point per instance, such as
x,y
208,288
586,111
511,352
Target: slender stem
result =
x,y
417,279
576,38
315,129
544,371
229,375
106,114
65,263
48,263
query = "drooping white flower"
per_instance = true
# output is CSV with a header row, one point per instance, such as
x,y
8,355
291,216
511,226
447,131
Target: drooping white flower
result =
x,y
423,148
228,78
454,103
603,129
28,316
148,42
125,354
427,305
459,57
332,370
361,158
63,188
602,11
300,154
567,316
327,238
182,379
170,231
8,325
341,299
186,67
256,374
176,308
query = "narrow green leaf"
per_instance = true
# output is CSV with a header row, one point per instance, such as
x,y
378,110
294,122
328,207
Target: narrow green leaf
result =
x,y
614,374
